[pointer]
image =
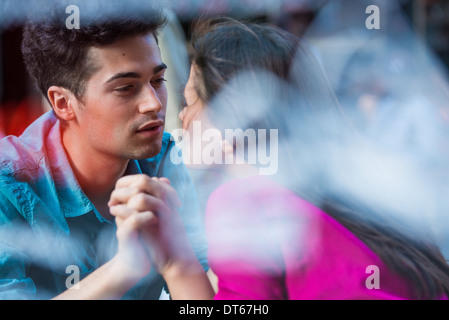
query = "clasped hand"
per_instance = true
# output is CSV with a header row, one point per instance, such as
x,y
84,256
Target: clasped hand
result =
x,y
149,229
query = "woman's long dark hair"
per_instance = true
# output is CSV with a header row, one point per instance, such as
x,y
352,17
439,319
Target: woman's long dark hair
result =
x,y
223,47
408,252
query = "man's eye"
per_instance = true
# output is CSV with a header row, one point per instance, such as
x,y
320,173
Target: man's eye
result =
x,y
158,82
124,88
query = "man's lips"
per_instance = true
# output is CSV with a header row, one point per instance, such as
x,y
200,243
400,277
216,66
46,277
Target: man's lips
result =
x,y
150,126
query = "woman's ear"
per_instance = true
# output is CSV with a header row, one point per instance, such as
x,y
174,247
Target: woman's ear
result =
x,y
62,101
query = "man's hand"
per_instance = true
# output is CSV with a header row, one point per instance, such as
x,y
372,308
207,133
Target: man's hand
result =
x,y
151,233
147,221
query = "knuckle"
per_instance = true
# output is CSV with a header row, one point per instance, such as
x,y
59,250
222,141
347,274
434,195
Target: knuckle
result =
x,y
138,201
142,180
121,181
113,194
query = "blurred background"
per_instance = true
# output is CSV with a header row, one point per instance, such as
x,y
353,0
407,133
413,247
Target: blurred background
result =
x,y
409,30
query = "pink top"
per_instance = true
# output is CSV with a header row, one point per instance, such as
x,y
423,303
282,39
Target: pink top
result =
x,y
267,243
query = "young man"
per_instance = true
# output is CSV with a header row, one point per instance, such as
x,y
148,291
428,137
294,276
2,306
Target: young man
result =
x,y
79,197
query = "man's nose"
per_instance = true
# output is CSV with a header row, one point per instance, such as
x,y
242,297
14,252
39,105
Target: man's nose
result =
x,y
151,101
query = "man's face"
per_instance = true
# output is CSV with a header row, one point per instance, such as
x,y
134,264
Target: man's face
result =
x,y
122,112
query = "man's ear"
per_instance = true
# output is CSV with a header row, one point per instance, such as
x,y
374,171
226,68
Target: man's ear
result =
x,y
62,101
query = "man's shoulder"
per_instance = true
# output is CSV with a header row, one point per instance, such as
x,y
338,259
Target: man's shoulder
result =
x,y
27,150
16,155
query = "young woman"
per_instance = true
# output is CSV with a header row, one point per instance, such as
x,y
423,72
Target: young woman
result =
x,y
291,233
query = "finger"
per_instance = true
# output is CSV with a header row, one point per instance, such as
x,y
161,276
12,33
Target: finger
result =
x,y
121,211
144,202
122,195
163,179
126,181
158,187
142,221
161,187
131,226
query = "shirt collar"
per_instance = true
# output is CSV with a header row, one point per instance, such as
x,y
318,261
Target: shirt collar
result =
x,y
132,168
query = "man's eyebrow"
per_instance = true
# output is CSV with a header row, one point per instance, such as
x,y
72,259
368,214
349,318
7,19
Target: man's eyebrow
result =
x,y
159,68
123,75
137,75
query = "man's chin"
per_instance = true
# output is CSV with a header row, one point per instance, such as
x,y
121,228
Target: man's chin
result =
x,y
147,153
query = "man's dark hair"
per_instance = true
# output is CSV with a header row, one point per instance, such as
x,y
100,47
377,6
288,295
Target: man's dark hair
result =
x,y
57,55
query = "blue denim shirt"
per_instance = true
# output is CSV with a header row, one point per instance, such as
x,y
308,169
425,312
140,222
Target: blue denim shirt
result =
x,y
51,234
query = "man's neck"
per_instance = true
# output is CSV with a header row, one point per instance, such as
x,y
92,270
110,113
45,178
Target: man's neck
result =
x,y
96,173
